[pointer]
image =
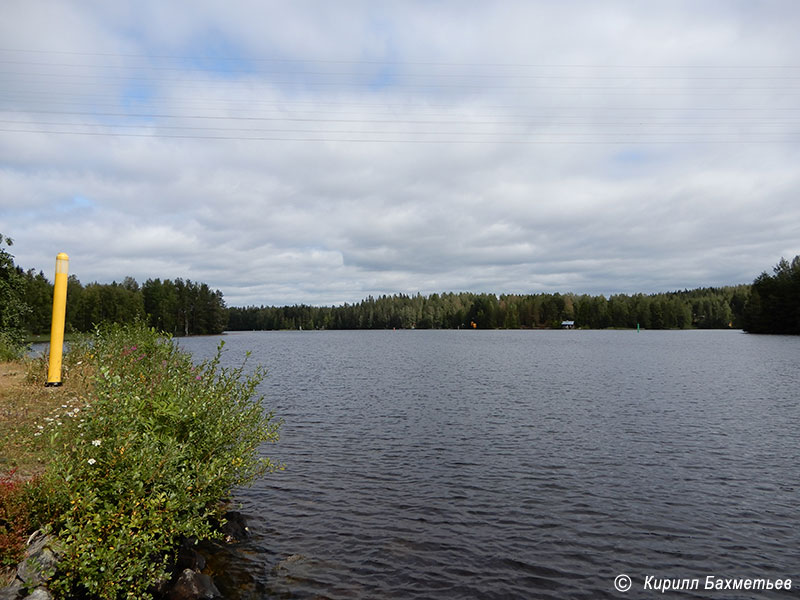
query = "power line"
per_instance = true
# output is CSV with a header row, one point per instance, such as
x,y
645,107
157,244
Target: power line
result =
x,y
392,132
371,83
269,119
391,62
407,140
227,70
525,124
54,98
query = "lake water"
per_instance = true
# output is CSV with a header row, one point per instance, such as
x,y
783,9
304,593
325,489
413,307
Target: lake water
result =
x,y
520,464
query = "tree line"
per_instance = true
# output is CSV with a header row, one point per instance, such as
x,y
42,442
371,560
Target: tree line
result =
x,y
178,307
183,307
701,308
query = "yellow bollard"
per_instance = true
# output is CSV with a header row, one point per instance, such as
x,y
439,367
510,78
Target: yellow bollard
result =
x,y
57,326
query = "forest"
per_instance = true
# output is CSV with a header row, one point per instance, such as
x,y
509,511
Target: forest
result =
x,y
179,307
774,305
702,308
184,307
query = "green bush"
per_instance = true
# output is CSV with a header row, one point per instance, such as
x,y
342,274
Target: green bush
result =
x,y
151,461
11,346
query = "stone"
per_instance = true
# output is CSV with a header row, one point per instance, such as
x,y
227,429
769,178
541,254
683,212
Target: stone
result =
x,y
41,558
288,563
192,585
36,542
40,593
235,527
12,591
189,558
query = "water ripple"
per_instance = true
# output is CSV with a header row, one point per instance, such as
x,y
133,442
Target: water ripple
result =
x,y
519,464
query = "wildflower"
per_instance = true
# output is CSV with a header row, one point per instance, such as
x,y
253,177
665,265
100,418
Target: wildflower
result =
x,y
40,426
96,442
91,461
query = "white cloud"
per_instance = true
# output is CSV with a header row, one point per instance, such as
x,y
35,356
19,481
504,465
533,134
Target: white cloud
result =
x,y
522,147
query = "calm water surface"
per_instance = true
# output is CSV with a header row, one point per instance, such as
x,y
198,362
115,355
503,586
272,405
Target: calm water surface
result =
x,y
520,464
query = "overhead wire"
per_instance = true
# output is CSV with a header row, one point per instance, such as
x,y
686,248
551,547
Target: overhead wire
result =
x,y
391,62
23,99
614,141
438,75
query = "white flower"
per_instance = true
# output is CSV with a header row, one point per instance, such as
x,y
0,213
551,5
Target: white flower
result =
x,y
96,442
91,461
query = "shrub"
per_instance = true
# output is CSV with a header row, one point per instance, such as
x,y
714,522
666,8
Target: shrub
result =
x,y
13,519
159,450
11,347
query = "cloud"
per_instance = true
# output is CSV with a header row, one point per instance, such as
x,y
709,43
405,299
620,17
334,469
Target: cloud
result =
x,y
316,153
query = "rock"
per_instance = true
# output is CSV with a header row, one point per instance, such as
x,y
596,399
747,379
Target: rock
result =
x,y
36,542
192,585
12,591
189,558
40,593
235,527
41,558
287,564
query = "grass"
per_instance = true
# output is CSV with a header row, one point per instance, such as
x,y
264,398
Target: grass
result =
x,y
28,410
26,407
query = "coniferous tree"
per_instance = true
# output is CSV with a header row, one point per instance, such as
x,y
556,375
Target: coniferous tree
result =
x,y
774,303
13,308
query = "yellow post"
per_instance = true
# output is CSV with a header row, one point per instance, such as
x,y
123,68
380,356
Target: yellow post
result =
x,y
57,326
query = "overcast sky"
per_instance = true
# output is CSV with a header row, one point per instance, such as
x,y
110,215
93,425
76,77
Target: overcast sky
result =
x,y
318,152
